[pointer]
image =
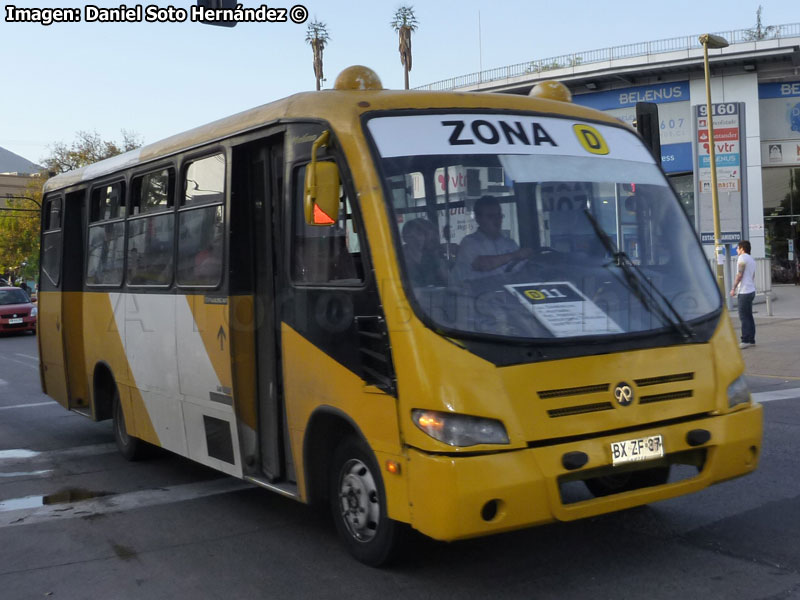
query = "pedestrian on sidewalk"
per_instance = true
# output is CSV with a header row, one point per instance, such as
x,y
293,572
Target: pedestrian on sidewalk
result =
x,y
746,282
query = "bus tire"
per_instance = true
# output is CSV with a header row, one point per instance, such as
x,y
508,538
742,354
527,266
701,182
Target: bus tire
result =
x,y
358,504
625,482
131,448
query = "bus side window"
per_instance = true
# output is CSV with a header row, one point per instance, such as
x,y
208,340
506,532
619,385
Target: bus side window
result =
x,y
151,229
201,222
325,254
51,240
105,254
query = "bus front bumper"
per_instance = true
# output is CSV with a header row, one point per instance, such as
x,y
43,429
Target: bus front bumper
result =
x,y
456,497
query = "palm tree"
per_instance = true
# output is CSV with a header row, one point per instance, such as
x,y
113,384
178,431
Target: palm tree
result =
x,y
760,32
404,23
317,36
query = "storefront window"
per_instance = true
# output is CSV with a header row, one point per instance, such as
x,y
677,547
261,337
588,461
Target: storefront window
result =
x,y
684,187
781,187
781,192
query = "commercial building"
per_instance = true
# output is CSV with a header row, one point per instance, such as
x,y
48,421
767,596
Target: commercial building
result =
x,y
16,173
755,86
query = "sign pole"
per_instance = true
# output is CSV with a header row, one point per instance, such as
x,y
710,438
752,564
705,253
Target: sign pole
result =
x,y
705,39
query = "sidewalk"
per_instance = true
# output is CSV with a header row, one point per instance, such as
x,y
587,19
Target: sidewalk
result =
x,y
777,349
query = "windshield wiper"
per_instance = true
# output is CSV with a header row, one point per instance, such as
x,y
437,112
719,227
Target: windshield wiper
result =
x,y
638,283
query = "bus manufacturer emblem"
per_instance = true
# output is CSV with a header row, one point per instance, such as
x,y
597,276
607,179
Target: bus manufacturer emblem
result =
x,y
624,394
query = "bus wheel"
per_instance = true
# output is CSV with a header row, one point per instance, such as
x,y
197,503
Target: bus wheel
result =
x,y
625,482
358,503
130,447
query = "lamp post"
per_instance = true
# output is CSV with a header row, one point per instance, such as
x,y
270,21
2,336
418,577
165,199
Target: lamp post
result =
x,y
713,41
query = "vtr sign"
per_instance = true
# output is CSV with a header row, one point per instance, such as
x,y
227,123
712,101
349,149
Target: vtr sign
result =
x,y
728,150
726,147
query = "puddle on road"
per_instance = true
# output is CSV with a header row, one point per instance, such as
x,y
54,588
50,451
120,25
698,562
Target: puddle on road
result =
x,y
20,503
17,453
62,497
72,495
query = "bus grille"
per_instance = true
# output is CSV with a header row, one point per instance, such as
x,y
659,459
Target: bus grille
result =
x,y
581,409
600,391
669,396
664,379
574,391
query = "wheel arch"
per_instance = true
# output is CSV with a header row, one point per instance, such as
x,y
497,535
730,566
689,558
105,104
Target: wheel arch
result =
x,y
103,386
327,427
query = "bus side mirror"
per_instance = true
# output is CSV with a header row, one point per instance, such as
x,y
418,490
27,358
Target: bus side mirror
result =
x,y
216,5
321,198
647,125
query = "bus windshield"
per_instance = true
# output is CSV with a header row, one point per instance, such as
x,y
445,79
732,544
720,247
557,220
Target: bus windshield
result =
x,y
538,227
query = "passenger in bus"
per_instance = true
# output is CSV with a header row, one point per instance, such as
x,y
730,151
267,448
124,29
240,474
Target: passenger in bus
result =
x,y
208,263
424,264
448,249
134,266
487,251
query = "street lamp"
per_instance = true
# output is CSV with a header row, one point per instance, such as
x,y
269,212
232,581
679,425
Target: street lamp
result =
x,y
713,41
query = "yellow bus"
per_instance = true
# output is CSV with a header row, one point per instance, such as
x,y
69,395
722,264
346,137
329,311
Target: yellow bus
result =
x,y
458,313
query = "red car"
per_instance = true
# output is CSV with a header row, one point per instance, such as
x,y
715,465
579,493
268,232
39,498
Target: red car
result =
x,y
17,312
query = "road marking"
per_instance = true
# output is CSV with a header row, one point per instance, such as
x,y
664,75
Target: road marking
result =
x,y
30,514
21,454
24,364
25,474
777,395
51,403
783,377
3,382
33,358
17,454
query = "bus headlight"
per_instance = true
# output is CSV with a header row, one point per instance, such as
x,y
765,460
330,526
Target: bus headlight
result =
x,y
459,430
738,393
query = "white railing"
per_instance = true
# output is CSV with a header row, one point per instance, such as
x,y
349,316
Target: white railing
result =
x,y
690,42
763,276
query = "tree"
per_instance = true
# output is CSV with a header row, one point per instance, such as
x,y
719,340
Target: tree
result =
x,y
19,233
19,227
759,32
87,148
317,36
404,23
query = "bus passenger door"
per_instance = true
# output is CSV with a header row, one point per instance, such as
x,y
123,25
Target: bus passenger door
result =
x,y
255,246
51,344
59,303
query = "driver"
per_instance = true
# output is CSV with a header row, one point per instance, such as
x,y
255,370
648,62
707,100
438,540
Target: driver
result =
x,y
487,251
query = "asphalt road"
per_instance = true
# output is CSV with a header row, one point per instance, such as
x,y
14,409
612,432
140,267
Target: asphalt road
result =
x,y
167,528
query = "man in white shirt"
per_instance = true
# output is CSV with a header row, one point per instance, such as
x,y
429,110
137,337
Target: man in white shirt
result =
x,y
487,251
746,282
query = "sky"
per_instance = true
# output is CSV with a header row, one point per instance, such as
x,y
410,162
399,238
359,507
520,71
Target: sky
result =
x,y
159,79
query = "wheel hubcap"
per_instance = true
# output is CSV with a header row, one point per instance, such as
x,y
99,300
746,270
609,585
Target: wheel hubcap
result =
x,y
358,500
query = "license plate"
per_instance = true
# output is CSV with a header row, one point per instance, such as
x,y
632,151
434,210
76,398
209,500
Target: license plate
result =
x,y
14,321
646,448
